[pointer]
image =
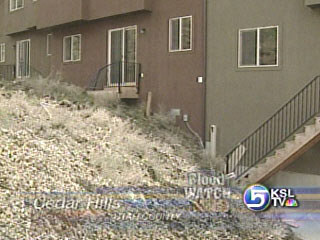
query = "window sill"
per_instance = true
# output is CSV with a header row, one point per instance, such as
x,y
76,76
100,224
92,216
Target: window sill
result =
x,y
178,51
183,52
259,68
15,10
71,62
21,77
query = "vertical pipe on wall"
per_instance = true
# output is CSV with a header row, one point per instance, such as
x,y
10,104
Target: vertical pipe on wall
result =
x,y
213,141
205,15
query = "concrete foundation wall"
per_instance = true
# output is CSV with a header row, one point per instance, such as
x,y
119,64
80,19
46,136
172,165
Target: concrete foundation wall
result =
x,y
293,179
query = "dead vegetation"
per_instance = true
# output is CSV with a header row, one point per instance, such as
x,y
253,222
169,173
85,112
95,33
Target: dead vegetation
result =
x,y
49,143
53,137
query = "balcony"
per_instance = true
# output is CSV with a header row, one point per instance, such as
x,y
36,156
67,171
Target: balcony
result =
x,y
49,13
57,12
18,20
95,9
312,3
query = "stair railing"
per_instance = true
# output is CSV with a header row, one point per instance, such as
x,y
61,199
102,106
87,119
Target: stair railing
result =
x,y
276,130
117,75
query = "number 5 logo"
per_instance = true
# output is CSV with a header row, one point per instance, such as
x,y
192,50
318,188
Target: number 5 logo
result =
x,y
256,197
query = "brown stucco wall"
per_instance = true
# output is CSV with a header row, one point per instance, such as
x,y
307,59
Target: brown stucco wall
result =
x,y
170,76
38,41
50,13
21,19
55,12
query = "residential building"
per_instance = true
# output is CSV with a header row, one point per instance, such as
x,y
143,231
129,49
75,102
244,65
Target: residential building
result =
x,y
243,73
261,54
159,45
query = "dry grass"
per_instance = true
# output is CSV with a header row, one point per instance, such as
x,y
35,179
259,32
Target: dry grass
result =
x,y
55,88
208,162
104,100
5,118
160,127
51,147
97,147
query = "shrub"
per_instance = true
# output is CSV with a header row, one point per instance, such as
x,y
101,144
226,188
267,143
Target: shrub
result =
x,y
208,162
56,89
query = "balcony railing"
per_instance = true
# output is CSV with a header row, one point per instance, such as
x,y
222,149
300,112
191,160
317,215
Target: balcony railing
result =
x,y
117,75
7,72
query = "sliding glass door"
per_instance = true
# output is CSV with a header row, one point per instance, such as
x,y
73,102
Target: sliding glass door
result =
x,y
122,56
23,59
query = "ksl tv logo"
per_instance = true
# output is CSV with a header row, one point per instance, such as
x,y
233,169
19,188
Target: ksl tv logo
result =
x,y
258,197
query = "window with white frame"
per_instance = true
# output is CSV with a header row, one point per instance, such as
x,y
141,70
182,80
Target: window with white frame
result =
x,y
259,47
49,47
2,52
72,48
180,34
16,4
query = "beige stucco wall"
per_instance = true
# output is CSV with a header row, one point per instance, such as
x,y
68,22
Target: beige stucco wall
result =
x,y
240,100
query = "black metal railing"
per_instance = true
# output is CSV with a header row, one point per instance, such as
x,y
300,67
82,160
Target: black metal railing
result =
x,y
117,75
35,73
278,128
7,72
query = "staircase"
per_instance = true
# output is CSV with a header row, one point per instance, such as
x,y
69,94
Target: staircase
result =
x,y
285,136
282,157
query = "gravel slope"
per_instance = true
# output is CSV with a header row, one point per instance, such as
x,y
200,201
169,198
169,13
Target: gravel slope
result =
x,y
49,146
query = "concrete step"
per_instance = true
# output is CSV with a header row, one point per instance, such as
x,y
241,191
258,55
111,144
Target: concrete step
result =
x,y
271,162
300,137
289,145
126,93
310,129
281,152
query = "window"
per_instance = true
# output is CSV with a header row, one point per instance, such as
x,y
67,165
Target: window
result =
x,y
72,48
180,34
258,47
16,4
49,37
2,52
